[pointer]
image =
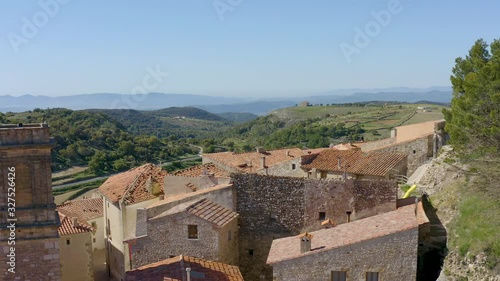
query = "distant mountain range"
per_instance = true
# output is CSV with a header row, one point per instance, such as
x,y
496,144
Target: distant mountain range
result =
x,y
154,101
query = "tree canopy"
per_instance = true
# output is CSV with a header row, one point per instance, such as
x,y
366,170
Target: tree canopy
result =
x,y
473,121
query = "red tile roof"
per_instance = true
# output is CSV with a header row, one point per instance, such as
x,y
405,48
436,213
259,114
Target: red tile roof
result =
x,y
212,212
251,161
204,209
133,186
69,226
175,269
346,234
199,170
371,163
87,209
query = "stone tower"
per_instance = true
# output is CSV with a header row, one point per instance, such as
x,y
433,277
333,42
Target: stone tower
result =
x,y
25,160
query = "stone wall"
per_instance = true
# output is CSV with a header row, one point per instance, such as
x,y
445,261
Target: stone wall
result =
x,y
275,207
418,151
393,256
35,260
168,236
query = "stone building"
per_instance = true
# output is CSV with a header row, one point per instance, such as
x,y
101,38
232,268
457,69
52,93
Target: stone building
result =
x,y
25,164
123,194
273,207
75,246
185,268
381,247
91,211
353,163
170,227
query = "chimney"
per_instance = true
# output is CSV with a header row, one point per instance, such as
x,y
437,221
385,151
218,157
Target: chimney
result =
x,y
348,213
287,152
305,242
260,150
263,161
188,273
74,222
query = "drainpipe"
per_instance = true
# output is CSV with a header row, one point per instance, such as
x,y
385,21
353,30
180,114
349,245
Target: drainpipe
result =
x,y
188,273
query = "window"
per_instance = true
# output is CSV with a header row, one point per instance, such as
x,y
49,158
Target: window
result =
x,y
372,276
273,216
192,231
229,235
294,166
414,151
108,228
93,240
68,242
323,174
250,252
339,276
94,225
322,216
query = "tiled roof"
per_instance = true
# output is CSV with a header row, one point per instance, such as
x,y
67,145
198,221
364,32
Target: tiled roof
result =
x,y
346,234
175,269
346,146
251,161
205,209
200,170
87,209
67,226
212,212
371,163
133,185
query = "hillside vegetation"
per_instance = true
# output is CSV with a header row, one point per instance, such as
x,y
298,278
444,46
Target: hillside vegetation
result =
x,y
473,123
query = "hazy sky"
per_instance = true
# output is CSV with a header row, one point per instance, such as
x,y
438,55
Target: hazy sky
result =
x,y
255,48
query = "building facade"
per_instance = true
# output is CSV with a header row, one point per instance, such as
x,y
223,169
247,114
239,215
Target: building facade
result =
x,y
28,220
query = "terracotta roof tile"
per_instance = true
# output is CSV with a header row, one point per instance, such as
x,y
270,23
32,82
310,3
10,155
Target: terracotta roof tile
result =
x,y
67,226
200,170
354,232
175,269
87,209
133,185
204,209
251,161
371,163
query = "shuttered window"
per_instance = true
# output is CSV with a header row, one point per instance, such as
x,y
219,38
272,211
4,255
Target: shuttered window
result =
x,y
339,276
372,276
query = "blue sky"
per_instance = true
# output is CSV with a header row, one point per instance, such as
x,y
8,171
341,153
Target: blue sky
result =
x,y
255,48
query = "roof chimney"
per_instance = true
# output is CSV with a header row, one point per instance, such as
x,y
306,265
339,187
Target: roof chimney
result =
x,y
305,242
348,213
263,161
74,222
287,152
260,150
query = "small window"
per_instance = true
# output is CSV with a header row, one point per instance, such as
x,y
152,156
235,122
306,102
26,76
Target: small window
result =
x,y
229,235
192,231
94,225
68,242
414,151
339,276
93,240
294,166
324,174
322,216
372,276
250,252
272,216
